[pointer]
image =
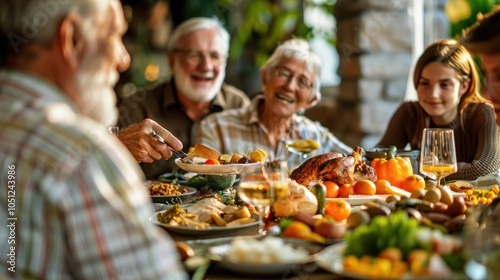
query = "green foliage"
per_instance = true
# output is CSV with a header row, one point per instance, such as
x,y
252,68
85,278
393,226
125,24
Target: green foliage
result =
x,y
267,23
476,7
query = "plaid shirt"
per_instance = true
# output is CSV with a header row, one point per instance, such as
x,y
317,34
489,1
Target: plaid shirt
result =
x,y
77,207
239,131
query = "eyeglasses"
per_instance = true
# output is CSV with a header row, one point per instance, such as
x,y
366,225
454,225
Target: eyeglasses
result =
x,y
195,57
285,75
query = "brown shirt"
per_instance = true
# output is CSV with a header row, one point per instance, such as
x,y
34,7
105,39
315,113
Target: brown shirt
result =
x,y
161,104
477,141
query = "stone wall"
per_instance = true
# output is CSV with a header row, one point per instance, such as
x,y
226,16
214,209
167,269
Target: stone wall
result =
x,y
374,42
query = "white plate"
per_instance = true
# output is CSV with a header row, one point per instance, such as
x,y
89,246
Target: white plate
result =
x,y
218,169
218,253
213,230
356,200
331,259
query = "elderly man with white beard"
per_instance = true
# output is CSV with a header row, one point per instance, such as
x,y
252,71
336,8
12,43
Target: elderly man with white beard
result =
x,y
197,52
72,198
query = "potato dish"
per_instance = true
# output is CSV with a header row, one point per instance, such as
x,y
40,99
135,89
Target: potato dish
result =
x,y
206,213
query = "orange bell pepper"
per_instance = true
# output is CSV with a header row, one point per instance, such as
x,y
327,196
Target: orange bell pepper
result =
x,y
393,168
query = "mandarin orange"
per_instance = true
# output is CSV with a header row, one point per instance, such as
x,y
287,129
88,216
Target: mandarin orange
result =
x,y
345,190
365,187
412,183
332,189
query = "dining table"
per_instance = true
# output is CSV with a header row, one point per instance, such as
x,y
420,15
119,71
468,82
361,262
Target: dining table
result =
x,y
212,269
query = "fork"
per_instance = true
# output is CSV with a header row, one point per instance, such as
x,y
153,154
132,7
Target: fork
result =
x,y
180,154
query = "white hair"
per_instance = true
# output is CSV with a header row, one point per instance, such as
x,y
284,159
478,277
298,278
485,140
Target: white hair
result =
x,y
199,23
300,50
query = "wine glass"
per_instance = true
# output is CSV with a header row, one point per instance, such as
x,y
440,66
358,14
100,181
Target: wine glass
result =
x,y
263,186
437,154
301,147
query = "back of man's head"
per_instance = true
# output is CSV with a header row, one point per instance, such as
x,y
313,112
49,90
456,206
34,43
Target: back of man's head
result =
x,y
32,21
484,36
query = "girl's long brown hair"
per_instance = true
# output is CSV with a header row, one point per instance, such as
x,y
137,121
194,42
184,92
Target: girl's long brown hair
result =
x,y
454,55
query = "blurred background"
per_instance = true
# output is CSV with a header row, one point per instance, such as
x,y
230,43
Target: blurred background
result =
x,y
367,48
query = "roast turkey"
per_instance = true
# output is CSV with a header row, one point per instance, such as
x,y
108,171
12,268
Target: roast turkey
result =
x,y
308,171
334,167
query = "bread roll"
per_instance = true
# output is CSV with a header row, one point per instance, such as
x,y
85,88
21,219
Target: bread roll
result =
x,y
203,151
300,199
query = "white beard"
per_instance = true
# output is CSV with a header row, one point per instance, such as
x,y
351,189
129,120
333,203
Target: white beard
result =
x,y
193,92
97,99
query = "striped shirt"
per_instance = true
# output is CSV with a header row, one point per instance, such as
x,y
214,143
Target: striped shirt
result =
x,y
239,131
75,201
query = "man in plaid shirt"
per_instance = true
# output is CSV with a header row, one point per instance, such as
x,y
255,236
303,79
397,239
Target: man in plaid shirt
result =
x,y
72,196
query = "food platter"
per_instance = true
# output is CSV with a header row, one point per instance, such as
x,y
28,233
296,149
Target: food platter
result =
x,y
218,255
213,230
331,259
218,169
173,199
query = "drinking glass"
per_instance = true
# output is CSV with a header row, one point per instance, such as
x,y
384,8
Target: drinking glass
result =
x,y
262,187
301,147
437,154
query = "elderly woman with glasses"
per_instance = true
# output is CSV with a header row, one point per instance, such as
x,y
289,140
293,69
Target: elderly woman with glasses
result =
x,y
290,84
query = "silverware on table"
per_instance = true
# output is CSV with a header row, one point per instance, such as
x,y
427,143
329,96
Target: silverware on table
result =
x,y
180,154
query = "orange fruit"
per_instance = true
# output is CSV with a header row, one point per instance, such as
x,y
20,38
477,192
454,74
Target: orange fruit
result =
x,y
382,186
412,183
297,229
366,187
338,209
345,190
332,189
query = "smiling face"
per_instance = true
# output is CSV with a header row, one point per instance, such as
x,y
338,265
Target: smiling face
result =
x,y
490,64
288,87
198,64
439,92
